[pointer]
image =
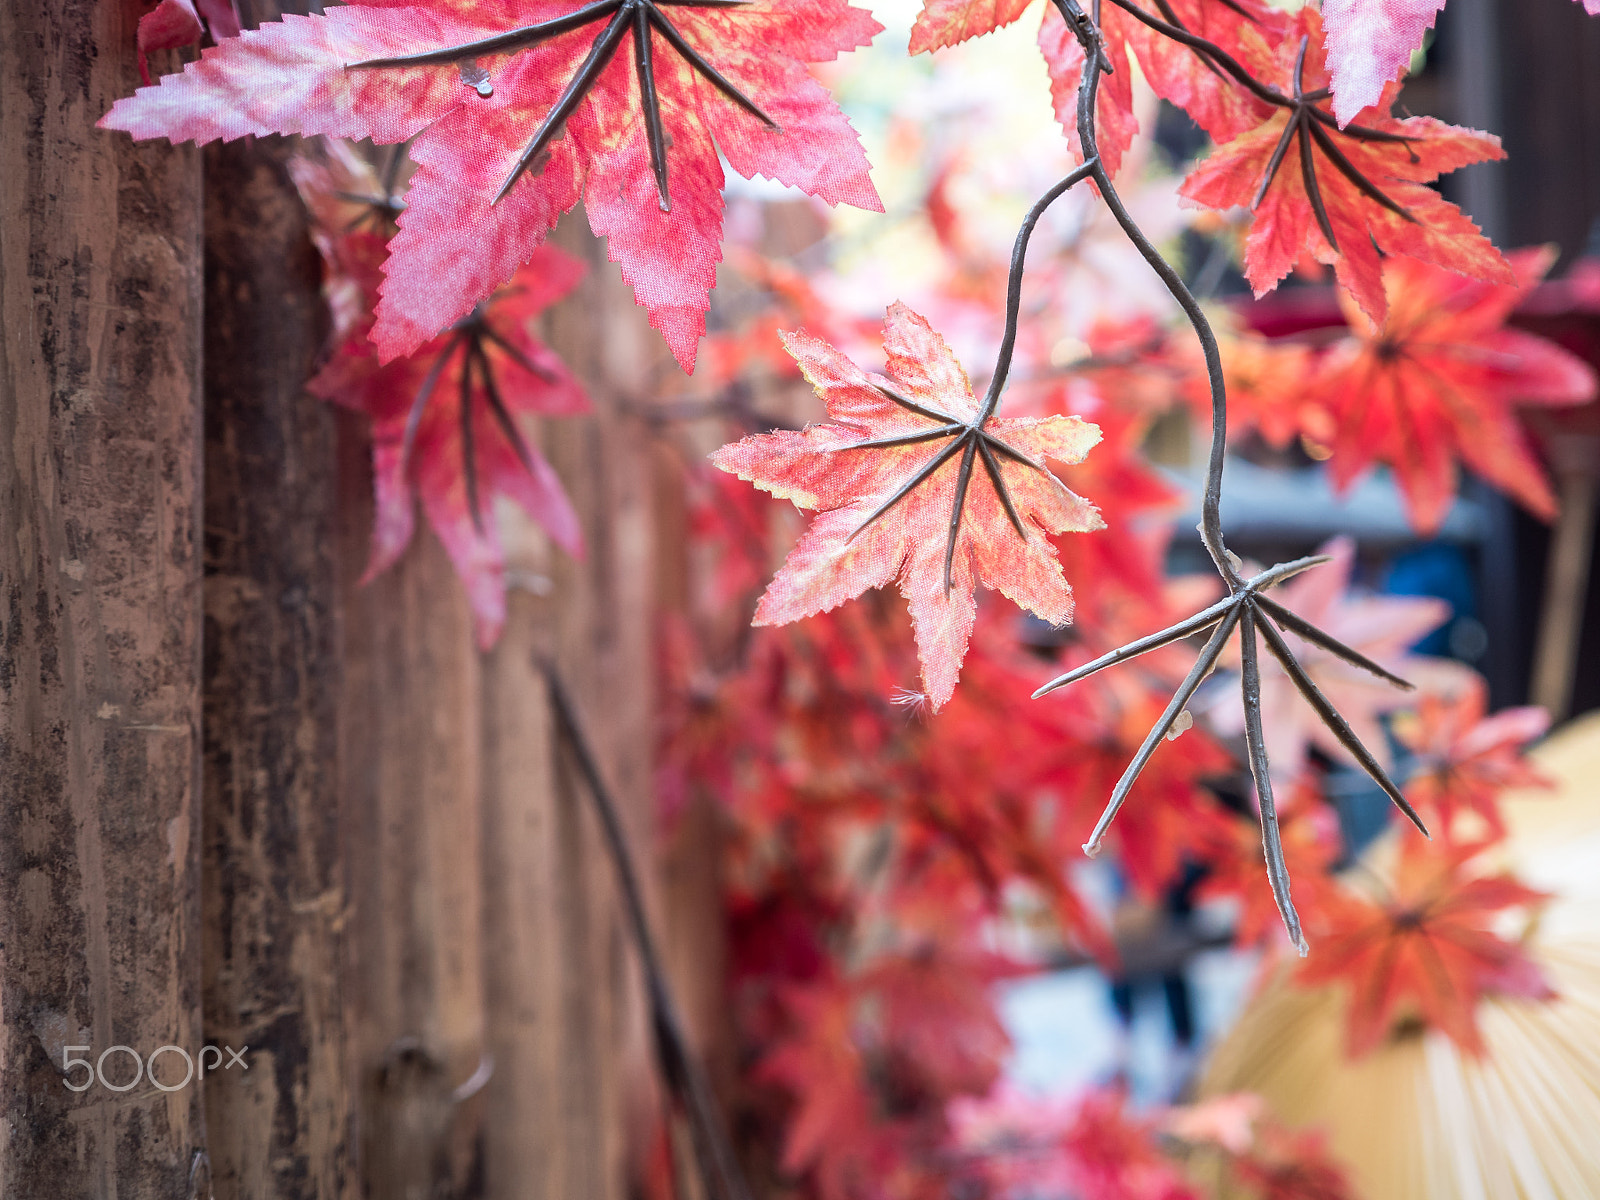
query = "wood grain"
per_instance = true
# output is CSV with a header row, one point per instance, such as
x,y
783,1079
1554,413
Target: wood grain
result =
x,y
100,617
273,875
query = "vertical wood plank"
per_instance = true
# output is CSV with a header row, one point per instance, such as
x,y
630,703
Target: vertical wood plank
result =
x,y
100,617
274,902
409,742
573,1089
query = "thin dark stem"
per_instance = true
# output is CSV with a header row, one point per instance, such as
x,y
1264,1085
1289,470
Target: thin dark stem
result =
x,y
556,119
644,64
500,43
963,481
1019,254
906,488
1207,50
469,451
1211,507
518,357
419,405
991,465
1288,619
910,405
497,407
1256,745
713,76
1244,607
718,1165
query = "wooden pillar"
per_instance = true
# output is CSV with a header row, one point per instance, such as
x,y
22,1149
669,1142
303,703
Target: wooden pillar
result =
x,y
100,620
274,894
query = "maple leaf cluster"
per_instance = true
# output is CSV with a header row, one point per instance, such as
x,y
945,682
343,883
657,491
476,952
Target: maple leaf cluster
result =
x,y
878,839
1442,379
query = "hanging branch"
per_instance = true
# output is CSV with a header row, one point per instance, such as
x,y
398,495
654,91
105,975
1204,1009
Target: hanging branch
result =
x,y
1245,608
719,1167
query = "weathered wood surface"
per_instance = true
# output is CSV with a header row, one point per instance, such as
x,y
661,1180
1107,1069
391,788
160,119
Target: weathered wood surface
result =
x,y
273,879
572,1093
409,801
100,618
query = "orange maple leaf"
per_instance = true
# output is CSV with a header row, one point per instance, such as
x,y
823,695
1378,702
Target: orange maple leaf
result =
x,y
1437,381
1464,759
1347,195
1427,950
891,511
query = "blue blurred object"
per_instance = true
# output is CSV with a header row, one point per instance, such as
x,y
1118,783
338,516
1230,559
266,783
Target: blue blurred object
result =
x,y
1436,569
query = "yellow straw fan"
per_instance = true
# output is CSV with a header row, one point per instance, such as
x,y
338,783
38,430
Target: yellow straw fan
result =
x,y
1419,1120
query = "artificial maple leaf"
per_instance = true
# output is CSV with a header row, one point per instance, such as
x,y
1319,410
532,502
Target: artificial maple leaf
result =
x,y
1370,44
1464,759
353,210
889,511
451,425
1346,196
1427,949
1378,627
520,111
1438,379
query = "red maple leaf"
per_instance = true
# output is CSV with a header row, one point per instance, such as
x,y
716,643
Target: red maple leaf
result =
x,y
452,424
520,111
1438,380
895,482
1345,196
1427,950
1464,759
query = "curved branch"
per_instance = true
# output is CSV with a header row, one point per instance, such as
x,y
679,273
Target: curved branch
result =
x,y
1211,508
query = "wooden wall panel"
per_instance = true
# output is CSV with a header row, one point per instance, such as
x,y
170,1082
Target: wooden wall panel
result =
x,y
409,795
573,1084
100,617
273,875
